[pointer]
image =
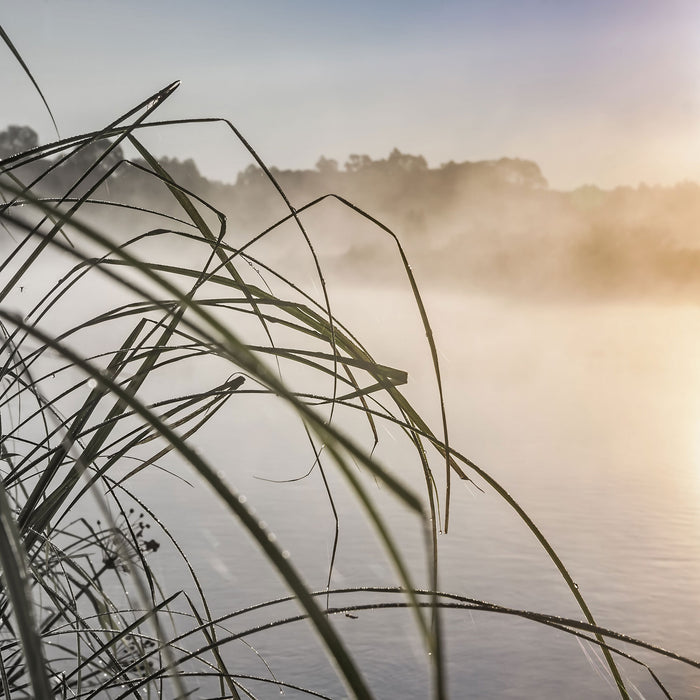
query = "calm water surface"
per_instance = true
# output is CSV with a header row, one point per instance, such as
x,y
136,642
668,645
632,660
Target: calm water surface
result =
x,y
588,414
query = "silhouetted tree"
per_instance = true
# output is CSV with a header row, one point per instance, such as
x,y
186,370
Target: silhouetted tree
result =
x,y
96,152
523,173
327,166
184,172
252,175
356,163
406,162
16,139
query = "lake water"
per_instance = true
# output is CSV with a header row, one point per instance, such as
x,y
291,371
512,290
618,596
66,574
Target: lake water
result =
x,y
588,414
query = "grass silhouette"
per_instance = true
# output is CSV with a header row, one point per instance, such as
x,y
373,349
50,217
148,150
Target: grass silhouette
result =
x,y
71,418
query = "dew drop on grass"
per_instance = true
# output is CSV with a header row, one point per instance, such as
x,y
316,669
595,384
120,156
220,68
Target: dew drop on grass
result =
x,y
92,384
242,498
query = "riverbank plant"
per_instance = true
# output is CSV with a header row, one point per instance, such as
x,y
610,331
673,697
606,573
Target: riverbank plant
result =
x,y
83,415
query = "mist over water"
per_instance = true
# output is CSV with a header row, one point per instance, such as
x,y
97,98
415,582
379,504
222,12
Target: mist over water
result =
x,y
488,226
586,410
567,328
582,413
566,325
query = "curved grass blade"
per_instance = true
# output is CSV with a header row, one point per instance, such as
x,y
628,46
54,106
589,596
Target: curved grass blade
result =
x,y
16,580
344,661
20,60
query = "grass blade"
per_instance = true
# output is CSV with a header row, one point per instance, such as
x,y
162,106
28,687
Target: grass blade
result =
x,y
20,60
16,579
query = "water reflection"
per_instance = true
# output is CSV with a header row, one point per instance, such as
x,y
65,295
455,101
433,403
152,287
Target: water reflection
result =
x,y
587,414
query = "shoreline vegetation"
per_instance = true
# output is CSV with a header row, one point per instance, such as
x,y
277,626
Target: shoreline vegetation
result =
x,y
83,413
490,226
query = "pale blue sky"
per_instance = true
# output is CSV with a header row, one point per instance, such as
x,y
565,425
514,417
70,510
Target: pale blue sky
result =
x,y
601,91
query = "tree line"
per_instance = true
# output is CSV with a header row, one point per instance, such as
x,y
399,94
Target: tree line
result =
x,y
493,224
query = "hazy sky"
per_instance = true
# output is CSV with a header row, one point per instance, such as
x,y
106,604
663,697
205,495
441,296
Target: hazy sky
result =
x,y
595,91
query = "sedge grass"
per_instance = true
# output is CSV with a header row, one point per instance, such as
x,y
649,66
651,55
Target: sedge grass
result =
x,y
68,630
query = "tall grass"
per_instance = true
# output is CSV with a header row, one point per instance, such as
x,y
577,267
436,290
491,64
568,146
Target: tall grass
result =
x,y
83,414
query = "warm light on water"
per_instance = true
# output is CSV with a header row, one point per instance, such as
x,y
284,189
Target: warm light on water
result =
x,y
586,413
482,134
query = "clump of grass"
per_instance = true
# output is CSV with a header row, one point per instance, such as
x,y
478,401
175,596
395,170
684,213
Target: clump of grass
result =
x,y
77,403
